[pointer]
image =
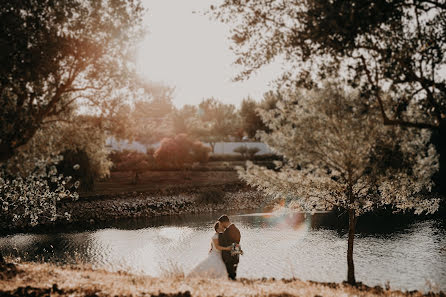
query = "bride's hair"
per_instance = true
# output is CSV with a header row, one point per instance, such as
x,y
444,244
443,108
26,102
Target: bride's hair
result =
x,y
217,224
223,218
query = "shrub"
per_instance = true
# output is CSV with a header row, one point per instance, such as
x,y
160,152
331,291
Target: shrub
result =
x,y
136,162
176,152
242,150
29,200
200,152
214,196
252,151
245,152
118,156
85,174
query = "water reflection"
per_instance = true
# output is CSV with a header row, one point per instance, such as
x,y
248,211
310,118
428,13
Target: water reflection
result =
x,y
281,246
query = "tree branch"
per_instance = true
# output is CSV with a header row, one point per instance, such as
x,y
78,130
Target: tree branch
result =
x,y
386,120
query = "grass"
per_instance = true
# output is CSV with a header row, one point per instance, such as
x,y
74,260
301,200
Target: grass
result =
x,y
121,182
83,281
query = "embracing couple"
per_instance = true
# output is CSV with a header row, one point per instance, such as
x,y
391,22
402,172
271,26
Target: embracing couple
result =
x,y
223,257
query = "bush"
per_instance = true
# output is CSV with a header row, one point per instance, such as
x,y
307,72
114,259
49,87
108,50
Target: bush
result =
x,y
215,196
252,151
118,156
85,174
176,152
242,150
200,152
31,200
136,162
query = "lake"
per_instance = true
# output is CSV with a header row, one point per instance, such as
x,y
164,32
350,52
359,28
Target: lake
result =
x,y
407,254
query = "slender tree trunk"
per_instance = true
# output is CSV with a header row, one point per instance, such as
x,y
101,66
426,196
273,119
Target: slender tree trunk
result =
x,y
351,236
2,260
135,178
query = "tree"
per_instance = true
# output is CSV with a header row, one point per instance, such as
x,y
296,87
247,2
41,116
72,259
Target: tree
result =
x,y
245,152
34,198
383,47
339,155
135,162
84,175
29,185
53,54
185,120
251,121
242,150
219,121
252,151
149,120
77,133
144,116
180,150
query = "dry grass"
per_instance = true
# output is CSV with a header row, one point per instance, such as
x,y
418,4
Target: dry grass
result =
x,y
81,281
120,182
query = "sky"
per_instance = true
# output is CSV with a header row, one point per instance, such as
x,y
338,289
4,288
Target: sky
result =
x,y
190,52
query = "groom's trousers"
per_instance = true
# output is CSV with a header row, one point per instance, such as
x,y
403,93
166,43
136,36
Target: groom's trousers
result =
x,y
231,263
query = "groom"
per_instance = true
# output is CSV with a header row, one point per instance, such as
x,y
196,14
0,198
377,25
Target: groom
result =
x,y
228,237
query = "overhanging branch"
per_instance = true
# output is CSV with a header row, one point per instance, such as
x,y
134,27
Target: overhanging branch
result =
x,y
386,120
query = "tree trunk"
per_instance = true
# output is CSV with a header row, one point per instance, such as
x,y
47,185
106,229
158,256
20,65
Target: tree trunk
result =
x,y
212,144
351,236
135,179
2,260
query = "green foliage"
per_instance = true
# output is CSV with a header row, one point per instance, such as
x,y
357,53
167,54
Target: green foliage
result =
x,y
339,155
242,150
146,119
245,152
77,133
200,152
133,161
220,121
378,46
250,152
180,150
55,52
33,199
84,174
185,120
393,51
251,120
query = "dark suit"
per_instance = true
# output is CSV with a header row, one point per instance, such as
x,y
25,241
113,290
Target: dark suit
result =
x,y
227,238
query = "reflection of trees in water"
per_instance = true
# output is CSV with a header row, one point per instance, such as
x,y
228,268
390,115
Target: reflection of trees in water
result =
x,y
378,223
327,220
55,248
83,246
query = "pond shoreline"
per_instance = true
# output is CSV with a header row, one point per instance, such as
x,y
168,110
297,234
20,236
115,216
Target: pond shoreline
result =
x,y
90,211
42,279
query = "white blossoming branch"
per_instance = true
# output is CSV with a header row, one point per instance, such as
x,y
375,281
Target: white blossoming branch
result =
x,y
35,197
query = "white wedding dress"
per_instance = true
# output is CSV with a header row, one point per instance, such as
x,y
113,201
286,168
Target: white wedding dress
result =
x,y
211,267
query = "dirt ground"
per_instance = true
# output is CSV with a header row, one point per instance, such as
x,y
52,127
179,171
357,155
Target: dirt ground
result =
x,y
34,279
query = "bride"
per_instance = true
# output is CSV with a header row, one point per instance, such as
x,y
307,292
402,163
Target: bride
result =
x,y
213,266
